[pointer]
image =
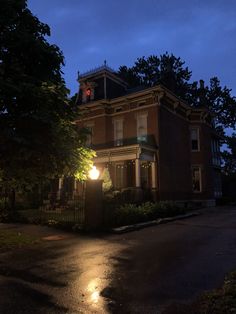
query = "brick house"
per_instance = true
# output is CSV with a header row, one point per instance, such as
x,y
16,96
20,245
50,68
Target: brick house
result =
x,y
149,140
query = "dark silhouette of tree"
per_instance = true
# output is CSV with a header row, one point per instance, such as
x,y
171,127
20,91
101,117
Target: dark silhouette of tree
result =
x,y
166,70
38,140
229,156
171,72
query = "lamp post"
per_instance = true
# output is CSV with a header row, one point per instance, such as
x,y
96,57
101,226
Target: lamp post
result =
x,y
93,200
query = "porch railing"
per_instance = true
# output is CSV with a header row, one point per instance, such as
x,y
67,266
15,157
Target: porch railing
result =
x,y
148,140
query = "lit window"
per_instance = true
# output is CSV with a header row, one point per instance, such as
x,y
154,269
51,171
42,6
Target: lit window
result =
x,y
88,94
196,179
142,128
195,139
118,132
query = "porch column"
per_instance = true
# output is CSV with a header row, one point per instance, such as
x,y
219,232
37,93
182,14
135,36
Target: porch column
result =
x,y
154,174
60,183
137,173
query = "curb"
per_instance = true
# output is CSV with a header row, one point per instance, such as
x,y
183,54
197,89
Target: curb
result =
x,y
143,225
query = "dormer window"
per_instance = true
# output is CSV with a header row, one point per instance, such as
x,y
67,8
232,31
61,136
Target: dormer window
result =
x,y
88,94
88,91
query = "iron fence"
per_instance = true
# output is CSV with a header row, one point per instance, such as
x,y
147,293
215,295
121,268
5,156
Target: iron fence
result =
x,y
72,214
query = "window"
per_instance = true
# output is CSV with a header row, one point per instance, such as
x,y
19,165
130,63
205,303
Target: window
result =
x,y
88,94
215,149
89,135
142,127
118,132
118,109
196,179
195,145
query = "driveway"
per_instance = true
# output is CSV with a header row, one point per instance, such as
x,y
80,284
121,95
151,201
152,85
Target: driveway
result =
x,y
140,272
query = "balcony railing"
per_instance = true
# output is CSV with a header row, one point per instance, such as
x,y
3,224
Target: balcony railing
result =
x,y
95,70
148,140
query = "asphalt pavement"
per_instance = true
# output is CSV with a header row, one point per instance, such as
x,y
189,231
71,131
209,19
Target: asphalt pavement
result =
x,y
144,271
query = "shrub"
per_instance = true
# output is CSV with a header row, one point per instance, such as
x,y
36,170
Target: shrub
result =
x,y
132,213
168,209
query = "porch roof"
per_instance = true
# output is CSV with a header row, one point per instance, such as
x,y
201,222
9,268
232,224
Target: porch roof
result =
x,y
128,152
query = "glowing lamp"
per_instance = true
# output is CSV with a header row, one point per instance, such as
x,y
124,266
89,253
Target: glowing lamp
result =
x,y
94,173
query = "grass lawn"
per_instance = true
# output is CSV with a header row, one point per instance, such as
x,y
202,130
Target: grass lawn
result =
x,y
218,301
13,239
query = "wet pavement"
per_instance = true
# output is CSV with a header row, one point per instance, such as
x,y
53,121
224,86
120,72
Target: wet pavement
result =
x,y
139,272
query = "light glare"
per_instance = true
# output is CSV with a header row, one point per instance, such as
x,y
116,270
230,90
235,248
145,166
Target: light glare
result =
x,y
94,173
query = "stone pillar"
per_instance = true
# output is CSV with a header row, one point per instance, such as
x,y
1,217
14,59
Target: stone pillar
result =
x,y
137,173
93,214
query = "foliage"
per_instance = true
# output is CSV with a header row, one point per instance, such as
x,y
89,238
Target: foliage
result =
x,y
36,117
83,162
171,72
131,213
218,301
229,156
107,183
220,101
167,70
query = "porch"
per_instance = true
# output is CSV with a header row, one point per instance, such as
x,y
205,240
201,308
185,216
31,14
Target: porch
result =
x,y
129,167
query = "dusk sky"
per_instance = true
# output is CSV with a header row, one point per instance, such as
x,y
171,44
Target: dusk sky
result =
x,y
202,33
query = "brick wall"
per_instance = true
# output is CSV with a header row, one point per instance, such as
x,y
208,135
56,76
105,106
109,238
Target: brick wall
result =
x,y
174,156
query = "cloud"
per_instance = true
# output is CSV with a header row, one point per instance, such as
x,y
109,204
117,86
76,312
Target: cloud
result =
x,y
200,32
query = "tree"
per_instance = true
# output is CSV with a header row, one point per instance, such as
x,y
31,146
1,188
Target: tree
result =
x,y
171,72
38,139
107,183
220,101
229,156
167,70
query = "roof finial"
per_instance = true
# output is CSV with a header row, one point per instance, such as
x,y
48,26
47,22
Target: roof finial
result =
x,y
105,62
